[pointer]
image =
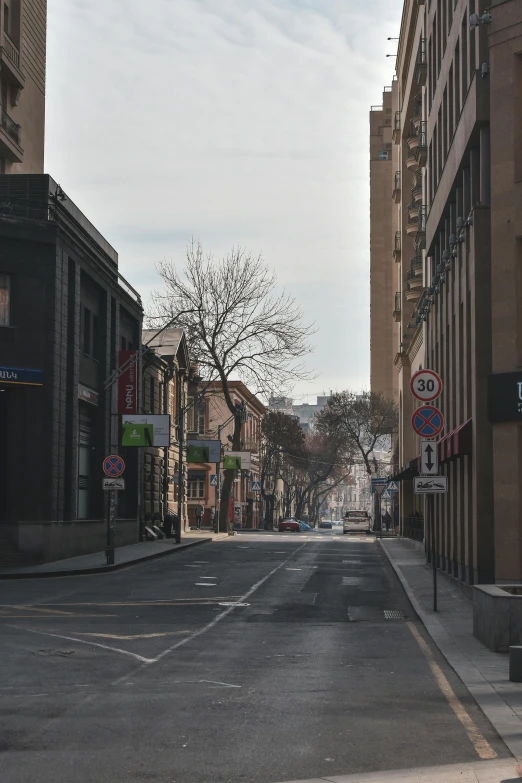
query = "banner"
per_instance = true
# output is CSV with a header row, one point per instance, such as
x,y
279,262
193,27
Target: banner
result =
x,y
137,434
128,382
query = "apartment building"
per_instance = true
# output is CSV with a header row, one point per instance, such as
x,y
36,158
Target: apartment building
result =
x,y
457,126
23,25
382,227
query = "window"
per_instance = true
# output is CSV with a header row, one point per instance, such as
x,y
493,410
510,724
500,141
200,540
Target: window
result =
x,y
85,444
6,19
5,300
152,394
90,334
196,489
200,419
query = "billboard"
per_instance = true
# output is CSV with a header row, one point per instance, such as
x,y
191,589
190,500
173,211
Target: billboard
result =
x,y
141,429
237,460
203,451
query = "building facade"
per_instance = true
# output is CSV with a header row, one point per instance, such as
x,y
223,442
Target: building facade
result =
x,y
23,25
209,419
457,128
165,368
65,312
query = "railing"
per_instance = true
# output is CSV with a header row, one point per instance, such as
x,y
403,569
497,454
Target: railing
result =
x,y
398,302
422,218
413,219
397,242
397,121
397,181
421,52
413,527
11,50
10,126
417,106
423,134
416,191
416,263
12,207
250,444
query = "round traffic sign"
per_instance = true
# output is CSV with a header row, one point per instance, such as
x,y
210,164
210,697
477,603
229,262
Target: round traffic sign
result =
x,y
113,465
427,421
426,385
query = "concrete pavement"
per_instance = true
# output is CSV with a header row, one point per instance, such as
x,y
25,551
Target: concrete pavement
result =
x,y
263,658
485,673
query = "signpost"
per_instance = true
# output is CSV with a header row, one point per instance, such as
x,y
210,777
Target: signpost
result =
x,y
113,483
255,486
428,422
113,467
213,479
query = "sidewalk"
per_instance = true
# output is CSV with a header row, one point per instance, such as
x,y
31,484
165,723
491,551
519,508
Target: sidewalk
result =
x,y
124,557
484,673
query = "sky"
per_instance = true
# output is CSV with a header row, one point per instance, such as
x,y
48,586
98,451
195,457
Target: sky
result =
x,y
236,122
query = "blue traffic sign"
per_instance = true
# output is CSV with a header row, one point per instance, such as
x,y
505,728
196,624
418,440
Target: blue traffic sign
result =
x,y
391,486
213,480
113,465
255,486
427,421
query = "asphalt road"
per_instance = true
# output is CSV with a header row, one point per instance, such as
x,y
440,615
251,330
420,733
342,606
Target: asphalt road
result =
x,y
261,658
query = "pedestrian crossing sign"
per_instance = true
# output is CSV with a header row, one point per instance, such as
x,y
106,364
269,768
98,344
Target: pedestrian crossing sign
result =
x,y
391,486
386,495
213,480
256,486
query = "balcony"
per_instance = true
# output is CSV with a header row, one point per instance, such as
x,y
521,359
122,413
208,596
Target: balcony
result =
x,y
397,308
411,161
420,237
10,138
413,137
421,150
396,194
421,66
416,194
10,62
397,128
251,445
413,281
416,266
413,211
413,294
397,246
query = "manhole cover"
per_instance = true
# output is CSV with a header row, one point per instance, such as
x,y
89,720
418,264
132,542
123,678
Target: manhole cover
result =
x,y
393,614
55,652
232,603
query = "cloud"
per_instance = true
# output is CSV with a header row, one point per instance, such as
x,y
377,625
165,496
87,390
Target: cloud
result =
x,y
234,121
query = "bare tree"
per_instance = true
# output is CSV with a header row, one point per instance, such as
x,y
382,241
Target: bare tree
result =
x,y
237,327
364,422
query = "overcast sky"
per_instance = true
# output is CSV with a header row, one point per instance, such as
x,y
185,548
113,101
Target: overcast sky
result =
x,y
236,122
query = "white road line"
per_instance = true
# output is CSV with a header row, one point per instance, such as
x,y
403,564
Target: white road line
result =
x,y
83,641
224,614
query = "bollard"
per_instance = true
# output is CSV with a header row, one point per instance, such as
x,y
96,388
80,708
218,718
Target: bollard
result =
x,y
515,663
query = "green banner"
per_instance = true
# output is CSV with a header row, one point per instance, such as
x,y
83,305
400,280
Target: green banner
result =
x,y
231,463
198,454
138,435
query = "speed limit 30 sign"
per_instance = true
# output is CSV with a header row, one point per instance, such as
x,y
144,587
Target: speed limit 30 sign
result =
x,y
426,385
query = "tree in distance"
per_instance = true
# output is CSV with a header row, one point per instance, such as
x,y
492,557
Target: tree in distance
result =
x,y
238,327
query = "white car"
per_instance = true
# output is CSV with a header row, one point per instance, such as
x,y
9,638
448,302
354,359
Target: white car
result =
x,y
356,522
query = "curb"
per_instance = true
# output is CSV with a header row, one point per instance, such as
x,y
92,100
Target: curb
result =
x,y
504,720
102,569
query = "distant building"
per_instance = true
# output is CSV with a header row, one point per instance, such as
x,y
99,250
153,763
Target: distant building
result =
x,y
303,411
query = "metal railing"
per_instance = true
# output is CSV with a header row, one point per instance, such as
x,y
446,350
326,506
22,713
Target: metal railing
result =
x,y
413,527
10,126
21,208
397,121
422,218
423,134
397,242
12,50
421,52
416,191
417,106
398,302
416,263
397,180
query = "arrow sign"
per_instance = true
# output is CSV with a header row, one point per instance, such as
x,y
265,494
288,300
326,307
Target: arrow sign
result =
x,y
429,458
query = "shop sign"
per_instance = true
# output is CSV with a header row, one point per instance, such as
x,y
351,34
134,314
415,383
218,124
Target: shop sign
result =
x,y
505,397
21,376
128,382
88,395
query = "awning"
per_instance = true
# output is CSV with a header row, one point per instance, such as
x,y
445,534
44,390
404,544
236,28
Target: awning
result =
x,y
456,443
408,472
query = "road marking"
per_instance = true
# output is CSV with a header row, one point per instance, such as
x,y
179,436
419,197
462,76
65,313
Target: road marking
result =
x,y
227,611
225,684
205,584
479,742
84,641
135,636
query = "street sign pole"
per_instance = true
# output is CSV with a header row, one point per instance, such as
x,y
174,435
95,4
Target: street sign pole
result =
x,y
431,506
113,467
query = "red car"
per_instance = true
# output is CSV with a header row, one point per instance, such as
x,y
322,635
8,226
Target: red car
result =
x,y
291,525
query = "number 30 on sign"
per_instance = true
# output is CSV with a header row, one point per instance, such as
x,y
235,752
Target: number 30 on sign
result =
x,y
426,385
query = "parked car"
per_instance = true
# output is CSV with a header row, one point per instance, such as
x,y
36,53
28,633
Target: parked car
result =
x,y
291,525
326,525
356,522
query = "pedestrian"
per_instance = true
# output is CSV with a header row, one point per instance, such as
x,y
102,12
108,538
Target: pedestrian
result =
x,y
213,516
387,520
199,514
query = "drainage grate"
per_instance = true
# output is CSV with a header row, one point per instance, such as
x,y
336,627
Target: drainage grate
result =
x,y
393,614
